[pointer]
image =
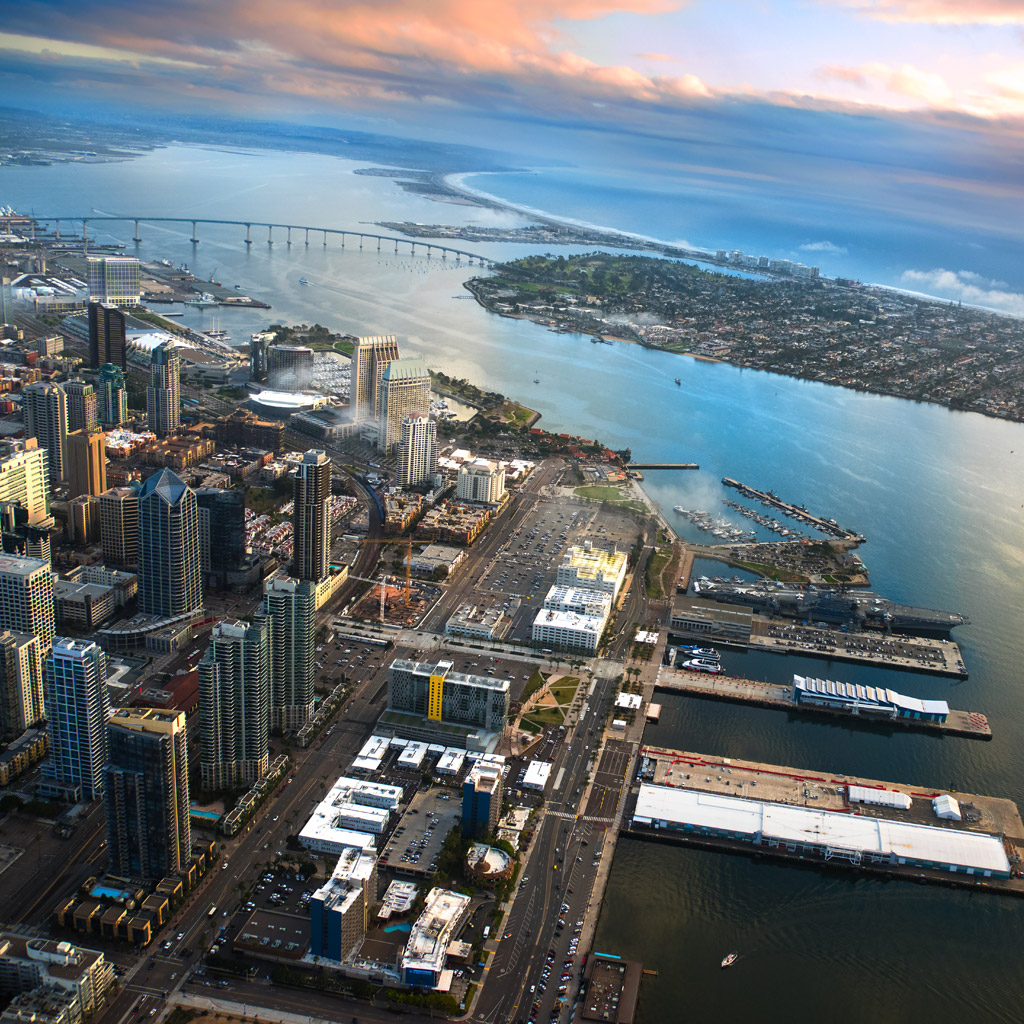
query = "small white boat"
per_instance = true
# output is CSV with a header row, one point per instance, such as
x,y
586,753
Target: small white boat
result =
x,y
303,280
702,665
730,959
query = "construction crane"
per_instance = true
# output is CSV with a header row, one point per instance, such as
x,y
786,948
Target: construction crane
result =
x,y
407,541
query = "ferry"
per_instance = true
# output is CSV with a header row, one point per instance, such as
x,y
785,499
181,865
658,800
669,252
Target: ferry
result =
x,y
729,960
702,652
702,665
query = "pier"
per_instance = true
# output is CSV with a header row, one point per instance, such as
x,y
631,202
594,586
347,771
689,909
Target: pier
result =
x,y
779,697
661,465
797,512
993,817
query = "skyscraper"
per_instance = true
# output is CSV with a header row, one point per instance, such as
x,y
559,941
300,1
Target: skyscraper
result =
x,y
221,530
113,280
369,359
26,597
77,709
82,406
289,606
107,342
25,479
170,581
417,451
163,396
234,704
111,396
21,682
289,367
311,552
87,463
45,409
119,526
145,792
404,391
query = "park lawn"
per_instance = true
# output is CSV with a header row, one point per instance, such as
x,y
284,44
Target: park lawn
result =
x,y
533,684
346,348
545,716
565,690
600,492
655,567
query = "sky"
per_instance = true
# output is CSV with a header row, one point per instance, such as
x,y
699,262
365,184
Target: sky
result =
x,y
924,98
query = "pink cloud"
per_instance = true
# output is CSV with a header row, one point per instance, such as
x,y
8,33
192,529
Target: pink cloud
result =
x,y
940,12
908,81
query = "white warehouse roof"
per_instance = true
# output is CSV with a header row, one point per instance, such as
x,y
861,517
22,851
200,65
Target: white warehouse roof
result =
x,y
536,776
943,847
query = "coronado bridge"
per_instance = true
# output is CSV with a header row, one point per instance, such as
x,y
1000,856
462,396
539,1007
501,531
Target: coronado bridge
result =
x,y
303,231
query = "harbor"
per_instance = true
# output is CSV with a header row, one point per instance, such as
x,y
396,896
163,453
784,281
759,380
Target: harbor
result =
x,y
797,512
781,697
831,820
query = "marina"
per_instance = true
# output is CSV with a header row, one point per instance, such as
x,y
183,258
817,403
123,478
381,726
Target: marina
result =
x,y
781,697
832,820
797,512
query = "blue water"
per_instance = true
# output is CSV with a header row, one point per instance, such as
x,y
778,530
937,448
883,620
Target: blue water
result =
x,y
107,893
404,927
938,494
207,815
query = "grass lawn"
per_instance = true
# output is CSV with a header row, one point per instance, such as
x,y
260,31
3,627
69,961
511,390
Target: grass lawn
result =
x,y
772,573
533,684
544,716
655,566
565,689
344,347
600,492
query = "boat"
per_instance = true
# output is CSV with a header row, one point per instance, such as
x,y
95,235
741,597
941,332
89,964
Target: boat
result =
x,y
679,508
303,280
703,652
702,665
729,960
536,380
678,381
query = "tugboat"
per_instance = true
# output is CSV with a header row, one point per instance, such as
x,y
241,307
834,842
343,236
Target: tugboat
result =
x,y
730,959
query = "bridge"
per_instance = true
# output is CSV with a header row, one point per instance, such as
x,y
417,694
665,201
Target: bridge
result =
x,y
195,222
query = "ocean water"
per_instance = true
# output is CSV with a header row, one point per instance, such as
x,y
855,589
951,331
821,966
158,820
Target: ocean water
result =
x,y
938,494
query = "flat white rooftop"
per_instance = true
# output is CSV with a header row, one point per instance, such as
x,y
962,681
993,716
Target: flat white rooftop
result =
x,y
536,776
942,847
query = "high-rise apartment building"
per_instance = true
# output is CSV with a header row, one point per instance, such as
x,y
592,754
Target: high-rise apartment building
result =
x,y
145,792
221,531
163,396
339,911
87,463
311,517
417,451
370,357
22,702
45,409
84,519
481,480
111,396
82,406
289,606
439,693
26,597
119,526
234,704
481,801
77,709
107,336
25,479
404,391
170,574
113,280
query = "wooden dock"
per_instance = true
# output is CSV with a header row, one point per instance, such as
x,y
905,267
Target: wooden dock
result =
x,y
779,697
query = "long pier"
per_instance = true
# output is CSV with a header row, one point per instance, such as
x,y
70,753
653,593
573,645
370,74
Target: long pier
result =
x,y
662,465
362,236
797,512
779,697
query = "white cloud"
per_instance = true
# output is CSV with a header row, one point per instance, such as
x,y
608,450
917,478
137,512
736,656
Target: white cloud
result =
x,y
966,286
825,246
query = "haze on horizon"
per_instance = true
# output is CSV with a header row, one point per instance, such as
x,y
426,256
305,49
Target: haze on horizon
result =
x,y
909,106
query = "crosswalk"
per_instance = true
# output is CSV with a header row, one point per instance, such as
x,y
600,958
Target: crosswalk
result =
x,y
573,816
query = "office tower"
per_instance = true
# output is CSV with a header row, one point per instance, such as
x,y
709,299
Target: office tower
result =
x,y
163,396
481,480
86,463
417,451
311,516
25,479
84,519
108,344
77,709
119,526
82,406
21,682
289,606
46,419
113,280
234,704
221,530
369,359
258,345
145,792
170,577
289,367
404,391
111,396
481,801
26,597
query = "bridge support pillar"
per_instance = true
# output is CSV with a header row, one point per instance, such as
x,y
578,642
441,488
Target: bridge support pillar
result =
x,y
289,237
195,234
325,239
428,252
270,234
138,237
396,248
248,234
343,239
307,236
85,235
361,243
378,245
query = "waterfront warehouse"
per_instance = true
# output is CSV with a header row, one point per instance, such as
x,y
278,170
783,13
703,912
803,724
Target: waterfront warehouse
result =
x,y
829,835
867,700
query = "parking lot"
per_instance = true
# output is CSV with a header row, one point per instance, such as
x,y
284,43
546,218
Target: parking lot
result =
x,y
418,837
275,919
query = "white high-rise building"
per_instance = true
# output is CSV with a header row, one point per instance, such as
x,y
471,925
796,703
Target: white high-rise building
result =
x,y
404,391
481,480
370,357
45,410
163,396
113,279
289,606
417,451
77,709
26,597
25,479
